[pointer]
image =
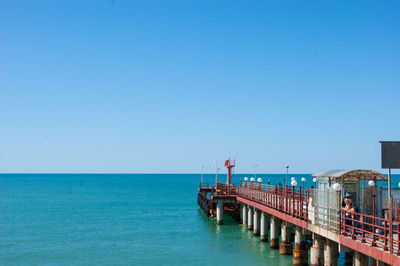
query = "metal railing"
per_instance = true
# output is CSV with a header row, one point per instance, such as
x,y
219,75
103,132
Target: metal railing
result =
x,y
225,189
373,230
322,208
204,185
307,204
288,200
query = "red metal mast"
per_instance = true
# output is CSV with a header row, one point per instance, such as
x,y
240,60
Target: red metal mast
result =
x,y
229,165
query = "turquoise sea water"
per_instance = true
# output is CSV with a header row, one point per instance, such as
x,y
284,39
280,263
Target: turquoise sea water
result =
x,y
119,219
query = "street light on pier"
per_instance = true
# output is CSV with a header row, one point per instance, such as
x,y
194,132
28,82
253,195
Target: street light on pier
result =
x,y
337,187
287,173
216,173
303,179
259,180
202,166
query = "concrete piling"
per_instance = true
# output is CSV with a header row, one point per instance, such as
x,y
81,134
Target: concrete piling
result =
x,y
274,233
360,259
316,251
250,218
256,226
330,253
244,215
300,255
263,227
220,212
285,247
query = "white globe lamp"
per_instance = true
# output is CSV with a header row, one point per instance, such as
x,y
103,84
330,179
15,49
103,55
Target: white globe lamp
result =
x,y
337,187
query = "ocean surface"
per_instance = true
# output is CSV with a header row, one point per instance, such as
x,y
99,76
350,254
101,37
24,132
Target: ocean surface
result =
x,y
120,219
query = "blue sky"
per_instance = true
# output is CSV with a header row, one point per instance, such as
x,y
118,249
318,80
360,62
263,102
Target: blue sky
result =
x,y
163,86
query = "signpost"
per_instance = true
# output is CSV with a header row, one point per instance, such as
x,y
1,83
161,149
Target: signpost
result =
x,y
390,160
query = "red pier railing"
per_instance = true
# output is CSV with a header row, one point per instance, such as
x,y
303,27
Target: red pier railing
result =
x,y
304,204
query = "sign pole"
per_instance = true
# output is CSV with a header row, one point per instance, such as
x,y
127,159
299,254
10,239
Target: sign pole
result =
x,y
390,210
389,184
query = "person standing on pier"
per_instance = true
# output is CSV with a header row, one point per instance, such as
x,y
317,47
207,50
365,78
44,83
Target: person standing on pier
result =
x,y
348,214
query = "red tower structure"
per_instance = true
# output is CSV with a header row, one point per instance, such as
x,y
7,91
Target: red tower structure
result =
x,y
229,165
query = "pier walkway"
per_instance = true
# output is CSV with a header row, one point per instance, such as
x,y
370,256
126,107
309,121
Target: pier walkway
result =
x,y
300,210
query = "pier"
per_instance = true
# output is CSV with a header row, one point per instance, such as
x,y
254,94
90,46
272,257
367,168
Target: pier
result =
x,y
311,224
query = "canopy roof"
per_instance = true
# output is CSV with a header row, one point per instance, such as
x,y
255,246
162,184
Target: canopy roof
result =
x,y
352,175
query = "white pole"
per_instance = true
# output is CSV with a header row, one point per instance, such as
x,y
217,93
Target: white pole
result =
x,y
216,174
202,166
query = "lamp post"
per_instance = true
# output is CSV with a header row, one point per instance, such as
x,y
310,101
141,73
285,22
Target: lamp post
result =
x,y
303,179
259,180
337,187
202,166
287,173
216,173
294,184
315,182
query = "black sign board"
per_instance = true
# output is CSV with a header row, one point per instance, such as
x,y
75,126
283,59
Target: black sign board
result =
x,y
390,154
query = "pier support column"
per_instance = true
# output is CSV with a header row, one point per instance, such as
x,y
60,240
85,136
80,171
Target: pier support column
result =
x,y
263,227
330,253
256,230
244,215
240,213
220,212
250,218
286,247
316,251
360,259
274,233
300,255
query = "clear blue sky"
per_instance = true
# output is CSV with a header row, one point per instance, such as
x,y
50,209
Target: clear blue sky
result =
x,y
163,86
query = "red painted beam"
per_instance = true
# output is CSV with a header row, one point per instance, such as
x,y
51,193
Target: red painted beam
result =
x,y
274,212
373,252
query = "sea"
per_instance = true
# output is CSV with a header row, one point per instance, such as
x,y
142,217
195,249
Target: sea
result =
x,y
122,219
